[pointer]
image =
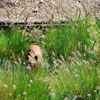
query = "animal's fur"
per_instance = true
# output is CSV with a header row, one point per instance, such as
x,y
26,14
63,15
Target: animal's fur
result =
x,y
34,56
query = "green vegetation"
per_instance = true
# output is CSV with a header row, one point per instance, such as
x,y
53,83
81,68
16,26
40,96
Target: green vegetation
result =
x,y
20,84
64,39
13,42
71,56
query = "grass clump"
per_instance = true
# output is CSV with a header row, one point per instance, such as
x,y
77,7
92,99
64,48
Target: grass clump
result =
x,y
3,43
23,85
64,39
13,42
81,83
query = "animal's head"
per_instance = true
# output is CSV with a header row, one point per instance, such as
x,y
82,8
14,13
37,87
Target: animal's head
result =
x,y
34,56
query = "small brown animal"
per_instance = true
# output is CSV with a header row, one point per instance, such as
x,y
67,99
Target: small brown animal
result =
x,y
35,57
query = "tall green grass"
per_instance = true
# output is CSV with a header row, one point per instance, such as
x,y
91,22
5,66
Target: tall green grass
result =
x,y
82,83
13,42
75,76
79,80
63,39
23,85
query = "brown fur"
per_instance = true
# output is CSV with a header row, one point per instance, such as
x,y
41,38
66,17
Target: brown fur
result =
x,y
35,57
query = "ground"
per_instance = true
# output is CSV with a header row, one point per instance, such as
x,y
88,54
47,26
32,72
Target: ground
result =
x,y
20,11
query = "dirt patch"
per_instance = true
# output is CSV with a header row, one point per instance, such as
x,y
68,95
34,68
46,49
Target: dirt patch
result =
x,y
30,11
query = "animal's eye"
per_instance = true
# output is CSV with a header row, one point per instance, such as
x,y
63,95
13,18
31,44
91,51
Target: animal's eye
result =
x,y
28,54
36,58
